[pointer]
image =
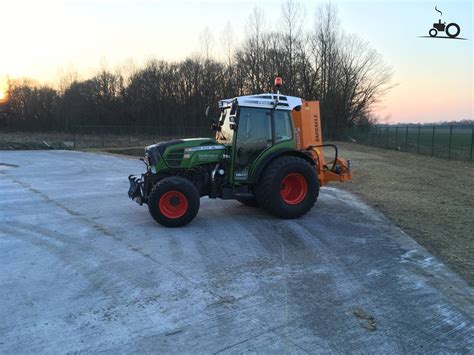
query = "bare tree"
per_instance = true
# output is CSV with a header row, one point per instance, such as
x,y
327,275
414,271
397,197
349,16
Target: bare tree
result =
x,y
228,43
343,72
252,48
66,76
206,40
292,18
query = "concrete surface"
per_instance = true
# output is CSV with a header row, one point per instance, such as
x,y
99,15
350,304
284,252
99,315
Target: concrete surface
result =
x,y
84,269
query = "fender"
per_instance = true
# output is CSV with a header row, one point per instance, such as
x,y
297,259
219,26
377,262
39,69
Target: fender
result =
x,y
284,152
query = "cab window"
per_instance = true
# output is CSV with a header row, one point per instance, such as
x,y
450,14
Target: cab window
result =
x,y
282,126
226,134
254,127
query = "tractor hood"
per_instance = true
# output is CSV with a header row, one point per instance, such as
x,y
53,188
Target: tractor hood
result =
x,y
184,153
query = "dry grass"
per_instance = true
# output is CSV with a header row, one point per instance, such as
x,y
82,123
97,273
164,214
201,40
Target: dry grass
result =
x,y
431,199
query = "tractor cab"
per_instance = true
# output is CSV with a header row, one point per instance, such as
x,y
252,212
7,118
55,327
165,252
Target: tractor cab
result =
x,y
253,126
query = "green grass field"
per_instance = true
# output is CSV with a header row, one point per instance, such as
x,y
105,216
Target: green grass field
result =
x,y
452,142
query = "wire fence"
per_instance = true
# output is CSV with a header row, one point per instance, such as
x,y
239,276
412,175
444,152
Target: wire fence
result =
x,y
158,131
444,141
132,136
89,136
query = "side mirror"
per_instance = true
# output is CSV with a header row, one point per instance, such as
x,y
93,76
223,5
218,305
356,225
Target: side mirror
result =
x,y
213,124
233,123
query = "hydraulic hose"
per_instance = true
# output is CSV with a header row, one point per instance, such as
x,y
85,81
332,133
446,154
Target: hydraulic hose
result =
x,y
335,152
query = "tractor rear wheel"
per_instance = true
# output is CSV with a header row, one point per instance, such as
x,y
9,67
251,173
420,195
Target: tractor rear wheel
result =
x,y
457,29
173,201
288,187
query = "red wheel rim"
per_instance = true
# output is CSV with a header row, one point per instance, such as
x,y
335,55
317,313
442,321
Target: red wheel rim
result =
x,y
173,204
293,188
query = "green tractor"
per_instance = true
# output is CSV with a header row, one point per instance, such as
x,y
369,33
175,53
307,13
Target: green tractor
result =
x,y
265,154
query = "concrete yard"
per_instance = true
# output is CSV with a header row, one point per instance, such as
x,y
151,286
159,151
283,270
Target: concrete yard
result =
x,y
84,269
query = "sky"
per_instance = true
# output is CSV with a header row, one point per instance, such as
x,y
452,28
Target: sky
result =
x,y
433,78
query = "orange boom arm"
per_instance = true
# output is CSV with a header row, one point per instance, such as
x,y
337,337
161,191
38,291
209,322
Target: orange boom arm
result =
x,y
307,122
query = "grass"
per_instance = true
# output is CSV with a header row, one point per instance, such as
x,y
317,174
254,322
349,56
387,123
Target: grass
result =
x,y
62,140
441,142
431,199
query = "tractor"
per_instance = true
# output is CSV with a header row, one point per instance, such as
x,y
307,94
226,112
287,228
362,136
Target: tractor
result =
x,y
267,152
441,27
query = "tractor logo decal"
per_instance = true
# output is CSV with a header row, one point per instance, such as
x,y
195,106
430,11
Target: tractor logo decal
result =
x,y
452,30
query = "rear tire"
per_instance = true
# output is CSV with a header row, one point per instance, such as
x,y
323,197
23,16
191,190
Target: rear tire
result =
x,y
249,201
288,187
457,29
173,201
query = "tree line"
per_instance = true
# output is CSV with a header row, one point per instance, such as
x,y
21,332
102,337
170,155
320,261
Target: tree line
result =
x,y
319,62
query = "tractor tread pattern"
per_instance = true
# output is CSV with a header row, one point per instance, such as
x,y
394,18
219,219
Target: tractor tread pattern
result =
x,y
174,183
268,193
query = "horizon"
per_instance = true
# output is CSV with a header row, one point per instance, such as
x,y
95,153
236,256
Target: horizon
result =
x,y
432,79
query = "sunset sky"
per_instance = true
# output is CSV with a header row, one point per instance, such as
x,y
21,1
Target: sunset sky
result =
x,y
433,77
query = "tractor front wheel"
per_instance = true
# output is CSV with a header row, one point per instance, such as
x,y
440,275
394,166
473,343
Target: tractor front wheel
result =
x,y
173,201
288,187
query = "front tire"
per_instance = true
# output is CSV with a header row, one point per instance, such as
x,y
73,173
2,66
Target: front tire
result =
x,y
173,201
288,187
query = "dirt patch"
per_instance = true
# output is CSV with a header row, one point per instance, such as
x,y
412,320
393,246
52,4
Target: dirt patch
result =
x,y
431,199
370,323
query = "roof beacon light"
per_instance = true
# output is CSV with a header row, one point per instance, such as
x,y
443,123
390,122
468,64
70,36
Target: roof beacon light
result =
x,y
278,82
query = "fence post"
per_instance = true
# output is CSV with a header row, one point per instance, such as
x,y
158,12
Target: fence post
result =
x,y
396,138
129,139
74,140
418,141
472,142
406,140
450,139
102,136
386,141
432,141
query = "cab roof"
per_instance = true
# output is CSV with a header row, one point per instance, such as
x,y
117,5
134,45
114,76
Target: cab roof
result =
x,y
264,101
